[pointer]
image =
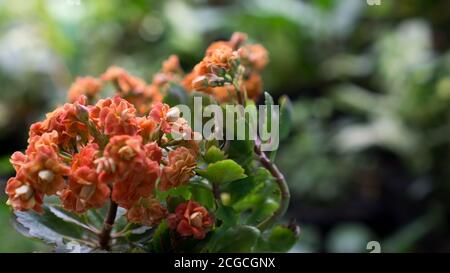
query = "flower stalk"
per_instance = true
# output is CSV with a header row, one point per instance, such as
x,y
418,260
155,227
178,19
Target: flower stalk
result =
x,y
104,237
285,195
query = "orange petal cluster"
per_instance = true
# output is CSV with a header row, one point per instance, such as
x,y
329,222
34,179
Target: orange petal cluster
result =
x,y
148,212
84,86
90,154
179,169
85,190
222,60
190,219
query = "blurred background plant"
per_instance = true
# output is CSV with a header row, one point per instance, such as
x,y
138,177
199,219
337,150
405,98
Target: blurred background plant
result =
x,y
368,157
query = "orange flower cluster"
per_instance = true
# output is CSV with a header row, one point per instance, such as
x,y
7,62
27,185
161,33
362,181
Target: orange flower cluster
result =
x,y
87,86
214,74
133,89
90,151
90,154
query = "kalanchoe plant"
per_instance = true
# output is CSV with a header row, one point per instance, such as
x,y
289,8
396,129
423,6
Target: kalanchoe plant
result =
x,y
109,175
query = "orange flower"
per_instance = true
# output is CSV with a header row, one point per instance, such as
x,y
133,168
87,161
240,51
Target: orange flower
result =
x,y
188,81
133,89
18,159
134,174
190,219
44,170
66,121
162,114
223,93
125,83
146,128
170,72
209,76
85,157
22,196
87,86
234,43
114,116
40,171
153,152
171,65
219,57
254,56
85,191
47,139
253,86
148,212
179,169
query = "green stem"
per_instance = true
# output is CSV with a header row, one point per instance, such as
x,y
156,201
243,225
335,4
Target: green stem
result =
x,y
269,165
282,184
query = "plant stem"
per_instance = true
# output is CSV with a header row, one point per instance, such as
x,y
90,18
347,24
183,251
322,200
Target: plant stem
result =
x,y
267,164
104,237
216,192
281,181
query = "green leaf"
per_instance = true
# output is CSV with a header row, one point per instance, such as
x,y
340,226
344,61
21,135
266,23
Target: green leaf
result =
x,y
238,239
68,216
173,202
214,154
253,191
242,188
241,151
161,238
139,236
182,191
279,239
286,113
223,171
47,227
5,166
268,100
202,195
228,216
265,207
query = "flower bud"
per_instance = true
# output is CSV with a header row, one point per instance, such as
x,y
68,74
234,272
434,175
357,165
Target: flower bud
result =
x,y
173,114
46,175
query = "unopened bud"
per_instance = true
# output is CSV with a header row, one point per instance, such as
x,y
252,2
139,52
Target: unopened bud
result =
x,y
124,114
219,71
127,153
24,191
82,112
173,114
200,83
196,219
225,198
46,175
214,80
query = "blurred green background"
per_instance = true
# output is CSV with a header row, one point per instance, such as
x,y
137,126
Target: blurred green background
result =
x,y
368,159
